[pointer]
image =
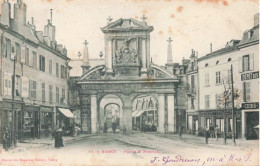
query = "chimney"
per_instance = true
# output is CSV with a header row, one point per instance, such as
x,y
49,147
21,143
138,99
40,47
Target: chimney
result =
x,y
6,13
210,47
49,30
256,19
19,15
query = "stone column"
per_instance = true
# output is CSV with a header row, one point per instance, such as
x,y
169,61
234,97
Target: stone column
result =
x,y
148,58
161,111
243,124
93,114
171,114
109,56
144,66
127,118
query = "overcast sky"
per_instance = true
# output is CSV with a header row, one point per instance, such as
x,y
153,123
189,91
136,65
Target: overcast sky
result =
x,y
190,23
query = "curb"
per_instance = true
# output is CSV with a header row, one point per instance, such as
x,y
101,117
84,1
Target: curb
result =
x,y
45,145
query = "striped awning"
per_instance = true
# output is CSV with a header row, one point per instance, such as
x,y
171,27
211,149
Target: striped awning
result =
x,y
66,112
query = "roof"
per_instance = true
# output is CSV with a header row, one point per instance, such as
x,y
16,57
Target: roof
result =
x,y
76,64
126,25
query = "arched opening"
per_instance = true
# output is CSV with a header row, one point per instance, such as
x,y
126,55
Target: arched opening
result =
x,y
111,112
145,114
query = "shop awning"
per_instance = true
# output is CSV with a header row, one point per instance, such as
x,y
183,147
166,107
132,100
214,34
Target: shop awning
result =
x,y
134,112
66,112
139,113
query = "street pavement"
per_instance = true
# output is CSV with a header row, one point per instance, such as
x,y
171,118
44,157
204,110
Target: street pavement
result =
x,y
137,149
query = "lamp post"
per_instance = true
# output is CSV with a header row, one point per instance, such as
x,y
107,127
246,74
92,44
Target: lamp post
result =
x,y
13,138
233,109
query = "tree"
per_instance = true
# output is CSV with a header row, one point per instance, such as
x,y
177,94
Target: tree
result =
x,y
224,101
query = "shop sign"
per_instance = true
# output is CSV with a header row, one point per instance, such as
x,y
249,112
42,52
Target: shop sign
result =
x,y
46,109
31,108
250,76
254,105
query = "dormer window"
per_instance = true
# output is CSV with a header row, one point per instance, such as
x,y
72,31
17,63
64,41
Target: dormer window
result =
x,y
206,65
229,59
217,62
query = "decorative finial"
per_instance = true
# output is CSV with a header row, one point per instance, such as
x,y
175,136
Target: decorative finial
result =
x,y
169,40
109,19
85,43
101,54
51,15
143,18
79,55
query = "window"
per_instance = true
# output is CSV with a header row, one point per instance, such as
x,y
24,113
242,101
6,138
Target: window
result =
x,y
34,63
218,78
207,79
57,95
62,71
192,84
43,92
42,63
192,103
65,73
17,86
63,96
246,90
7,48
220,123
32,89
208,122
218,100
27,56
230,125
57,69
50,66
246,63
50,93
207,102
18,52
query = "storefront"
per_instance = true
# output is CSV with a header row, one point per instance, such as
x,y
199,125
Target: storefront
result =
x,y
6,116
250,119
217,117
46,121
192,123
65,120
30,122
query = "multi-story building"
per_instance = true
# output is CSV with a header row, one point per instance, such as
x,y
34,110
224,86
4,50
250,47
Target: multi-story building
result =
x,y
192,95
41,72
214,75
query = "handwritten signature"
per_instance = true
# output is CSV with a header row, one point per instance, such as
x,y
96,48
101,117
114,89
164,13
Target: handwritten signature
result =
x,y
199,161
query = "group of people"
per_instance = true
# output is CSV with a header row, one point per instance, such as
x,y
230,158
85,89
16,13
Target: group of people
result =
x,y
212,132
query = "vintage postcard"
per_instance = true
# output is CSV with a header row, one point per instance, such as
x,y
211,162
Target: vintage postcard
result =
x,y
129,82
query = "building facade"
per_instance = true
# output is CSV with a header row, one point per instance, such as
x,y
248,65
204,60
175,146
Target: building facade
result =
x,y
40,69
128,90
214,75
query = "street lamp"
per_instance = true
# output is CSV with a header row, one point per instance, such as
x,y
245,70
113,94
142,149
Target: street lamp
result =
x,y
13,138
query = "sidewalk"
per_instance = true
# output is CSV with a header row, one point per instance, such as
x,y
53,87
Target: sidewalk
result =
x,y
198,140
43,142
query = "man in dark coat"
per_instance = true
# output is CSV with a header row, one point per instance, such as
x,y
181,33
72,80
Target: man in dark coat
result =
x,y
6,139
207,135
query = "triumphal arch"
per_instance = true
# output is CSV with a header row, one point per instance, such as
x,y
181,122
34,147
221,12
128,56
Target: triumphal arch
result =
x,y
129,91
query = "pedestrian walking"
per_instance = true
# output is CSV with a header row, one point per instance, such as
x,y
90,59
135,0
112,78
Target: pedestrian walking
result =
x,y
6,139
207,135
211,130
217,131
